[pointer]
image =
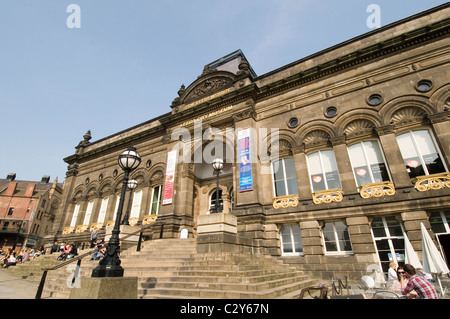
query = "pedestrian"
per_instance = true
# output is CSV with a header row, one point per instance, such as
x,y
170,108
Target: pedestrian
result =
x,y
420,285
94,236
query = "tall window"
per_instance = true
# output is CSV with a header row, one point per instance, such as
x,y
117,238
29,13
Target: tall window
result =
x,y
136,205
87,217
76,210
103,208
336,238
284,177
368,163
420,153
156,200
291,240
116,207
323,170
389,240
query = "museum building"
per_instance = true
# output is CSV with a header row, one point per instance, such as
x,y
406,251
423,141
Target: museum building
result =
x,y
328,162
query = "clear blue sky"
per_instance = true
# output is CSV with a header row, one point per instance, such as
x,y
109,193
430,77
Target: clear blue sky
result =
x,y
126,63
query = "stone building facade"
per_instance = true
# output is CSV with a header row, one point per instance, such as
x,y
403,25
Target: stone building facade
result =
x,y
330,161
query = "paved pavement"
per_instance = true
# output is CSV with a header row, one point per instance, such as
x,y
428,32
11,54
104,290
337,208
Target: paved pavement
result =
x,y
12,287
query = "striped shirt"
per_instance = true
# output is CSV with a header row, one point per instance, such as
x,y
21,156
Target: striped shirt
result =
x,y
423,287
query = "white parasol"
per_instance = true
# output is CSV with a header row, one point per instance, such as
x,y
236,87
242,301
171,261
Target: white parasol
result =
x,y
410,255
433,262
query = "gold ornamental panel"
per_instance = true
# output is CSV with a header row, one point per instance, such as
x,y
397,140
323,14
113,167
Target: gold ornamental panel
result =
x,y
95,225
285,201
110,223
377,190
433,181
133,221
68,230
149,219
81,228
327,196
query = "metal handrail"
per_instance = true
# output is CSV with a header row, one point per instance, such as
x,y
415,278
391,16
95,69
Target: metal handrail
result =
x,y
79,258
340,285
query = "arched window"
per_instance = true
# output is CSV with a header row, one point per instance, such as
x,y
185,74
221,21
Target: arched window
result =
x,y
284,177
368,163
212,200
420,153
323,170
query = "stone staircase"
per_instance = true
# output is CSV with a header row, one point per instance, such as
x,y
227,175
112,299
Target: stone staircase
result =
x,y
172,269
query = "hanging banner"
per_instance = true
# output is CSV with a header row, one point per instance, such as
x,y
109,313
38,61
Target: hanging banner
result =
x,y
245,165
169,179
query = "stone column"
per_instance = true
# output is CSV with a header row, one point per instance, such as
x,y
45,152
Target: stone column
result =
x,y
301,170
360,235
441,128
344,165
411,222
394,159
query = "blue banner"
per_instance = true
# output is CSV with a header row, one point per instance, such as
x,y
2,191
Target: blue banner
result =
x,y
245,165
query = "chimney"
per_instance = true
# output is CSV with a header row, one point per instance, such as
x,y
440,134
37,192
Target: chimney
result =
x,y
45,179
11,176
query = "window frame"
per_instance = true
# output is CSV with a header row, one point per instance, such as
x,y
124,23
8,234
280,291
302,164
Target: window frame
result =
x,y
284,177
419,152
339,251
158,200
319,152
292,241
367,162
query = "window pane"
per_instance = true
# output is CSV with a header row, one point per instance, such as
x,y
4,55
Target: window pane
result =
x,y
329,237
378,228
280,189
373,152
292,186
362,175
298,245
286,239
357,155
394,226
318,182
405,142
437,225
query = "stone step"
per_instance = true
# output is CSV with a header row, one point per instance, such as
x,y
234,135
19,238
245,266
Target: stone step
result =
x,y
270,293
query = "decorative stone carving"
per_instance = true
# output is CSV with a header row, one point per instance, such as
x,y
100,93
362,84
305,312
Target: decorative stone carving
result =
x,y
377,190
432,182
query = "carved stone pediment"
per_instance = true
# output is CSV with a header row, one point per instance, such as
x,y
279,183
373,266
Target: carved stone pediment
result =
x,y
207,87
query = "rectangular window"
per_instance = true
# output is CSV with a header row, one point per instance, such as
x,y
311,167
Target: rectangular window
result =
x,y
136,206
10,211
155,204
291,240
76,210
368,163
103,208
420,154
336,238
440,222
284,177
87,217
323,171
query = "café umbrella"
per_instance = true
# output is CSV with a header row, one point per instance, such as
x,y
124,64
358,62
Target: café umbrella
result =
x,y
433,262
410,255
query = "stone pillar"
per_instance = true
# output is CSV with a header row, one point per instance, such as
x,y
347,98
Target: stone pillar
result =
x,y
311,238
301,170
411,222
217,233
393,156
441,128
106,288
360,235
344,166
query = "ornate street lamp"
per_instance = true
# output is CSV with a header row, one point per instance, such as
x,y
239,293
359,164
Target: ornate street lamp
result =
x,y
109,266
132,184
217,165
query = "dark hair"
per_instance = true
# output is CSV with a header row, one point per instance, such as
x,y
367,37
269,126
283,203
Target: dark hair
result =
x,y
409,269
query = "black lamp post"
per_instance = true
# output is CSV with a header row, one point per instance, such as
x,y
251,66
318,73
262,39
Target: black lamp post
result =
x,y
109,266
132,184
217,165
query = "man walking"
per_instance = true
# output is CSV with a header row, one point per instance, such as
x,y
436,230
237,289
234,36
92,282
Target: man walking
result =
x,y
420,285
